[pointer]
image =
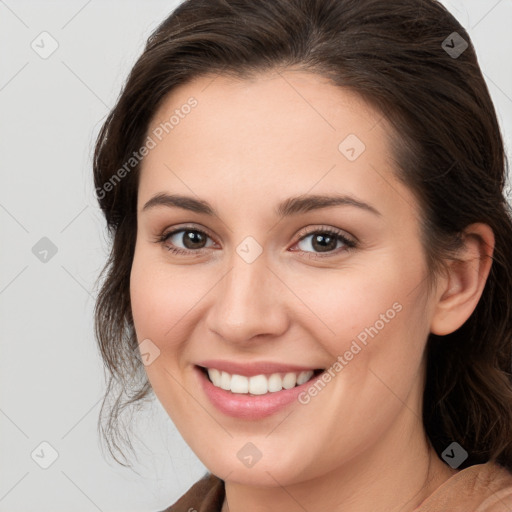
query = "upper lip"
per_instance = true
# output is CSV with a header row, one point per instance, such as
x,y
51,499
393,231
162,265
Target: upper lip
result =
x,y
254,368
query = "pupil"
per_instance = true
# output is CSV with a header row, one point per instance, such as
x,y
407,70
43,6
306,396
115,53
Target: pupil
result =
x,y
192,238
326,245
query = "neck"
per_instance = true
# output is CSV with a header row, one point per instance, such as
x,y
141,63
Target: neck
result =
x,y
398,473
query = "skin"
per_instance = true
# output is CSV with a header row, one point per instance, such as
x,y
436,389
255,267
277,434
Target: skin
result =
x,y
248,145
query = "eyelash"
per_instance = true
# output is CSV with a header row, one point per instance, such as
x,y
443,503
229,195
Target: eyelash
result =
x,y
349,244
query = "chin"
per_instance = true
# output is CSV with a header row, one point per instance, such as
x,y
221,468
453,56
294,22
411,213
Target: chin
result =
x,y
251,461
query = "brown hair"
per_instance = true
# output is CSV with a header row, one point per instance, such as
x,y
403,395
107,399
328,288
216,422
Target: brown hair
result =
x,y
447,147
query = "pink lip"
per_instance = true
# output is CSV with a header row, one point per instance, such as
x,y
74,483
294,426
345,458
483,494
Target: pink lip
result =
x,y
251,369
246,406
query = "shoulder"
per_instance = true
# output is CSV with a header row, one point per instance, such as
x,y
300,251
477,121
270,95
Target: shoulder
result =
x,y
479,488
499,496
206,495
494,482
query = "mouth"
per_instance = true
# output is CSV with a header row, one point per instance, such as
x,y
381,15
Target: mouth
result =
x,y
261,384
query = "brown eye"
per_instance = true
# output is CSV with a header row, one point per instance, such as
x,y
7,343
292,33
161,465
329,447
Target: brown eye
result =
x,y
325,241
190,239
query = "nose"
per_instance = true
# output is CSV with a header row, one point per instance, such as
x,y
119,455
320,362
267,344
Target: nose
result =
x,y
248,302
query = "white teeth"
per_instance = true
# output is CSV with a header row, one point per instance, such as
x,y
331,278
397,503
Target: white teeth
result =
x,y
275,383
239,384
289,381
258,384
225,381
303,377
214,376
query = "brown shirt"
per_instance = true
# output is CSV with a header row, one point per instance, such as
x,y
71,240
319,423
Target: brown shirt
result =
x,y
480,488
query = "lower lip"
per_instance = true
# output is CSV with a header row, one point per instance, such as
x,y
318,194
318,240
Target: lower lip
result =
x,y
250,407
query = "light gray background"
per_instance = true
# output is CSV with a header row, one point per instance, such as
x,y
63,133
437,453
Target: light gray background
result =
x,y
51,374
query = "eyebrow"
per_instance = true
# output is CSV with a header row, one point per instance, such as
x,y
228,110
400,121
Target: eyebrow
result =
x,y
291,206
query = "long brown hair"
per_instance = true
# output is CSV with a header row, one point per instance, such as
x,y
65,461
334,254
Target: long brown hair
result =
x,y
446,143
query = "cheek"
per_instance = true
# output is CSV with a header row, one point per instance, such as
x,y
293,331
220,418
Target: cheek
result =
x,y
373,319
381,353
350,305
161,303
160,300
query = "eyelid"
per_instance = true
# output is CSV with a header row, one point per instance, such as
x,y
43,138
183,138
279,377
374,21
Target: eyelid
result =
x,y
324,228
192,227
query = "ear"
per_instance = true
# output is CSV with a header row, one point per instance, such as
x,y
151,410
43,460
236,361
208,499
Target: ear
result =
x,y
460,290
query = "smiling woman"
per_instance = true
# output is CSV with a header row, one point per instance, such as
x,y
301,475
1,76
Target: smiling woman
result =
x,y
313,262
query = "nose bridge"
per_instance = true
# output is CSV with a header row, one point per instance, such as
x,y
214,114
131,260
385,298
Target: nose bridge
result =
x,y
244,300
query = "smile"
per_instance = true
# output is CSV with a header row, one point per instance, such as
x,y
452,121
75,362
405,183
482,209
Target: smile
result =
x,y
258,384
255,390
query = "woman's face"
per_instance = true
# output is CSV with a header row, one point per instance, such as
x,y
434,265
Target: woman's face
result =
x,y
274,173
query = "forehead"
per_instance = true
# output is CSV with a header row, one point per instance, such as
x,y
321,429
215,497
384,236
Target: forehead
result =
x,y
289,130
286,105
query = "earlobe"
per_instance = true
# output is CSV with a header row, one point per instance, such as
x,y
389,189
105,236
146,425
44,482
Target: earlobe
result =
x,y
464,281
